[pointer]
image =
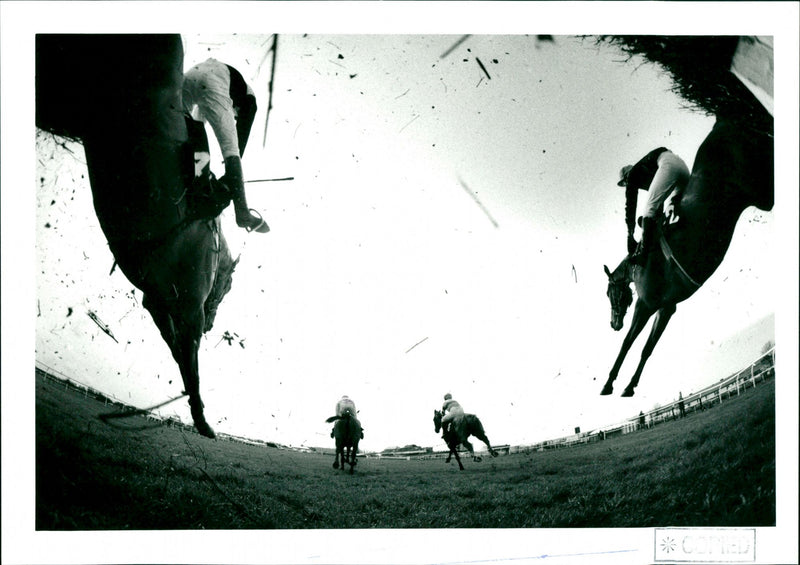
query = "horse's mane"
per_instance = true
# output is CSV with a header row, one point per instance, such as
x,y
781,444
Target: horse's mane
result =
x,y
222,284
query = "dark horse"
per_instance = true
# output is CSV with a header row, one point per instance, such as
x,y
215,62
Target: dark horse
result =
x,y
348,433
733,169
120,95
460,429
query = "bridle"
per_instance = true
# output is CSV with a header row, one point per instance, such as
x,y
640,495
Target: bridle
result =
x,y
620,294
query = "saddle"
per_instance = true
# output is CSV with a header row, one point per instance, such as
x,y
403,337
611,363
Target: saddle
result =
x,y
206,196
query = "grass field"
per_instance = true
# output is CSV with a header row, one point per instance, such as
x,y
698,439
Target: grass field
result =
x,y
712,468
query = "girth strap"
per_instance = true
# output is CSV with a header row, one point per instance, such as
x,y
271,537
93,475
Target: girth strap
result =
x,y
667,251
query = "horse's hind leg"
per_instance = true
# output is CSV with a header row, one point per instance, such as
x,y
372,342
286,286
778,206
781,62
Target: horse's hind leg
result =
x,y
482,436
468,445
659,325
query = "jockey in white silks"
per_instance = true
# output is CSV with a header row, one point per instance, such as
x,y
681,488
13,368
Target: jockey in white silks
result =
x,y
659,172
451,409
217,93
346,403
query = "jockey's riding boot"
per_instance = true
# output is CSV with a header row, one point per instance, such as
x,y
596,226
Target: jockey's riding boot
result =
x,y
648,238
245,217
331,433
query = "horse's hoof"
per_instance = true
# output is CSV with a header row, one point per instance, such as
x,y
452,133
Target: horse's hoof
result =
x,y
627,392
477,459
205,430
336,465
608,389
494,454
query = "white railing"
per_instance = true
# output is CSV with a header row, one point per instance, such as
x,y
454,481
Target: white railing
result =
x,y
758,371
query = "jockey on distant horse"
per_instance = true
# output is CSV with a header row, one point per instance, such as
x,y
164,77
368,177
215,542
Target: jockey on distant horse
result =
x,y
452,410
217,93
658,172
346,404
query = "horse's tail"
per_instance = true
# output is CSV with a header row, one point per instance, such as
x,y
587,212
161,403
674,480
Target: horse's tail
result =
x,y
472,424
332,419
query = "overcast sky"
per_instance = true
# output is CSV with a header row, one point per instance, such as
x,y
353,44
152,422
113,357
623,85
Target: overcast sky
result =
x,y
445,231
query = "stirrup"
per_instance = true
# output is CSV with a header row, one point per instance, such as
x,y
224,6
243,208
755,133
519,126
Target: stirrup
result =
x,y
260,223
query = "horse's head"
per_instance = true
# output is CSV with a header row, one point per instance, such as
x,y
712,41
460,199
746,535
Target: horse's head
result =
x,y
437,420
619,294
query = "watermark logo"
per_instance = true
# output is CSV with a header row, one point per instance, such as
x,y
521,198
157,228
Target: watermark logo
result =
x,y
705,545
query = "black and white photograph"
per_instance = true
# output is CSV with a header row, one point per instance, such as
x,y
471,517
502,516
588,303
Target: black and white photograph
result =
x,y
399,282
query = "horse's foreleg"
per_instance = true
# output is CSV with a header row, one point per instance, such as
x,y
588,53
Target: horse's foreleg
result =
x,y
458,459
181,327
189,330
454,452
659,325
353,459
162,320
641,313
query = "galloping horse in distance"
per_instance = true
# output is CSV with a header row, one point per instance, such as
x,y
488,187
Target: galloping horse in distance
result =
x,y
733,169
460,429
120,95
348,433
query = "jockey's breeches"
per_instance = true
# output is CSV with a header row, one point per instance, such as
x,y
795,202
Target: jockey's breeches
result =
x,y
672,172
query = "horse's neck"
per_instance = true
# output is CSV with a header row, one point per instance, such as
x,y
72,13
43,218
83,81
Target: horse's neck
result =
x,y
624,273
138,193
